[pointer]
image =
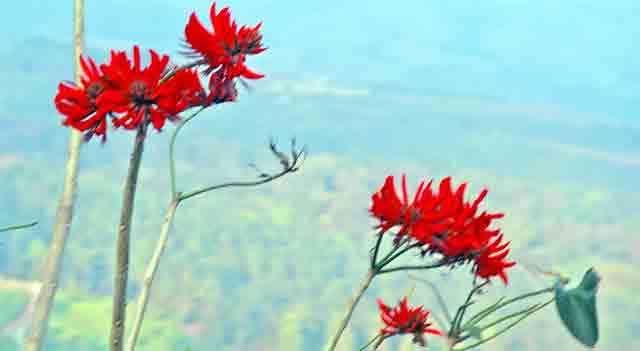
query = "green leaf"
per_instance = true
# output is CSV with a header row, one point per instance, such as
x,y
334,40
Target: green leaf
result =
x,y
577,307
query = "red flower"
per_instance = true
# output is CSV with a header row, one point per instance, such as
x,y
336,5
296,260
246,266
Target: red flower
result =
x,y
78,103
140,95
405,320
491,261
445,224
226,47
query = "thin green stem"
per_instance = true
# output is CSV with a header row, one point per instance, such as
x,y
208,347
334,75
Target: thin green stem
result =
x,y
407,268
374,258
191,194
379,342
370,342
509,316
389,258
16,227
150,274
172,142
484,313
478,316
529,313
393,250
457,319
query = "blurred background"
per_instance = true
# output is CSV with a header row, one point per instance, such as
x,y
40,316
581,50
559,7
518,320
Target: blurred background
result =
x,y
536,100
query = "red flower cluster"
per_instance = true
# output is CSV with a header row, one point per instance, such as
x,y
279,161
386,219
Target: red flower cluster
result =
x,y
405,320
129,93
132,95
224,50
445,224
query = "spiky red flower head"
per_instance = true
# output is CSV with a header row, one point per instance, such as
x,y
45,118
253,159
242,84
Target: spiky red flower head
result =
x,y
444,224
78,103
147,94
403,319
491,261
224,48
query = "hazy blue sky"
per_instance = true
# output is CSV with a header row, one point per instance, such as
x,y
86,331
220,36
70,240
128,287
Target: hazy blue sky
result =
x,y
500,64
580,54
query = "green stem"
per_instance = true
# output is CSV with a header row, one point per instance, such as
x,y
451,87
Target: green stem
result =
x,y
172,164
457,319
16,227
392,251
370,342
509,316
484,313
389,258
407,268
379,342
150,274
530,312
376,249
191,194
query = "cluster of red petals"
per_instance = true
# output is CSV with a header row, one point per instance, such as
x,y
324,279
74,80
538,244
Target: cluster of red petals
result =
x,y
403,319
129,93
78,103
445,224
143,93
224,50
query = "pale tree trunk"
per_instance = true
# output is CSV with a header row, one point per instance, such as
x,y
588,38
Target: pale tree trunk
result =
x,y
64,212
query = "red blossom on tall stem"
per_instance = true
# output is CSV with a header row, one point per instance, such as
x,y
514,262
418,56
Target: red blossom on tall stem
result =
x,y
139,95
224,50
403,319
78,103
444,224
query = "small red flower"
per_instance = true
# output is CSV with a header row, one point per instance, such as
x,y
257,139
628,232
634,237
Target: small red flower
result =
x,y
403,319
491,261
140,95
78,103
226,47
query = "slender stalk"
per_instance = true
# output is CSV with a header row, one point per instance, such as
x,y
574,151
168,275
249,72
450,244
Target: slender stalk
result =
x,y
393,255
150,274
370,342
376,248
172,164
350,307
409,268
482,314
509,316
152,267
191,194
379,342
457,319
122,248
64,212
16,227
505,329
391,252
